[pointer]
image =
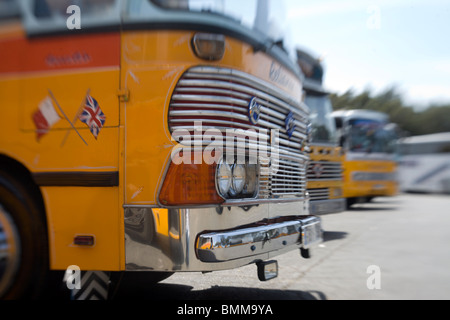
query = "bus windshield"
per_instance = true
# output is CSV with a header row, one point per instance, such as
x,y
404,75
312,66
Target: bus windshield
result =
x,y
368,136
265,16
58,8
323,125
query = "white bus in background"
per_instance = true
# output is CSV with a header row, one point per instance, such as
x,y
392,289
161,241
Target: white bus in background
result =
x,y
425,163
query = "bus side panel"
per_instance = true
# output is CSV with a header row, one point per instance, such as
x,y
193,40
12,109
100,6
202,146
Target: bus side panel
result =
x,y
369,188
51,77
85,211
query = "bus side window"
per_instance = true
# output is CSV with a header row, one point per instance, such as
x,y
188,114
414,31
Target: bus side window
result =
x,y
340,131
48,16
9,9
172,4
41,9
338,122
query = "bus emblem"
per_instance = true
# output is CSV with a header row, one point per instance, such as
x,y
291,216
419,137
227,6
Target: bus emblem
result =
x,y
318,170
254,111
290,124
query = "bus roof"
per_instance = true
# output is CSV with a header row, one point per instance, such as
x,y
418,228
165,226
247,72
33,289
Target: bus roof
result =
x,y
360,114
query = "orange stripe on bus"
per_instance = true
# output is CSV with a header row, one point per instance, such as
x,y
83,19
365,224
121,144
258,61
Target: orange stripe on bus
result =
x,y
20,54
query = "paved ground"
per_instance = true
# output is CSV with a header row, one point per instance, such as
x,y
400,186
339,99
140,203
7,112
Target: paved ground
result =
x,y
404,241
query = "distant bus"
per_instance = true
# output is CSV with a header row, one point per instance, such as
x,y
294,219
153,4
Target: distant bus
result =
x,y
325,168
369,165
425,163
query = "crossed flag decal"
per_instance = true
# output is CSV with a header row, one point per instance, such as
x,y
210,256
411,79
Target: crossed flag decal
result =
x,y
89,112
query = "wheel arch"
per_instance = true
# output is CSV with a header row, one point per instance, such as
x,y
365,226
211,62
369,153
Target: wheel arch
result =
x,y
35,281
22,175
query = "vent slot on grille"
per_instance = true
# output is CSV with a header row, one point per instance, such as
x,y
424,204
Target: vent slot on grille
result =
x,y
319,194
324,170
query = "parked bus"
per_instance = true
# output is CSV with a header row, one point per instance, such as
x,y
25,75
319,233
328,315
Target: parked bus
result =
x,y
425,163
325,168
110,141
369,141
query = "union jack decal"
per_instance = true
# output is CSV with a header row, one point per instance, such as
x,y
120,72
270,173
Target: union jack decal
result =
x,y
93,116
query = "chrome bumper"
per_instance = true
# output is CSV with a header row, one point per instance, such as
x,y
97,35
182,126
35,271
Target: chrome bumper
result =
x,y
209,239
254,240
326,206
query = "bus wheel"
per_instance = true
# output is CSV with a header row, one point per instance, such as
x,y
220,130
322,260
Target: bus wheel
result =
x,y
23,243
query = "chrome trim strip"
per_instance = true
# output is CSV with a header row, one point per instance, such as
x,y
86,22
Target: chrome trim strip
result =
x,y
199,139
249,202
297,159
195,98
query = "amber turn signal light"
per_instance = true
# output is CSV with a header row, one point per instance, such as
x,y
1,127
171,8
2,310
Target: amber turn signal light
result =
x,y
190,184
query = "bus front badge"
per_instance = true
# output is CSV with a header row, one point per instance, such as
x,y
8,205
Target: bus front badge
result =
x,y
254,111
290,124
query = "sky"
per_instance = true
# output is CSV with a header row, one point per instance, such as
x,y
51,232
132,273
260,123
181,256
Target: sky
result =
x,y
378,44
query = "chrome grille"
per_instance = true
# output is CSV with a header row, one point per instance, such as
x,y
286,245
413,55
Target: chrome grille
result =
x,y
289,178
219,99
324,170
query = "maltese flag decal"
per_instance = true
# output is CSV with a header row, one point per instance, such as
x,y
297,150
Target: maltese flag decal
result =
x,y
45,117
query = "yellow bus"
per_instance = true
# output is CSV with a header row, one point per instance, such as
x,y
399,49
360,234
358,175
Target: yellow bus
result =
x,y
113,121
370,160
325,168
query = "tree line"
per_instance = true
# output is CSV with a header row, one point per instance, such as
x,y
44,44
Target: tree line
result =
x,y
433,119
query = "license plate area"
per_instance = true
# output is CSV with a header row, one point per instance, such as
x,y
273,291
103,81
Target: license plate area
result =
x,y
311,233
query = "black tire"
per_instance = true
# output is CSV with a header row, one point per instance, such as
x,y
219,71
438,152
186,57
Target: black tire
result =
x,y
28,278
350,202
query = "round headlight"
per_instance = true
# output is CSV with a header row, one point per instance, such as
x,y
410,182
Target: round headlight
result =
x,y
223,178
238,181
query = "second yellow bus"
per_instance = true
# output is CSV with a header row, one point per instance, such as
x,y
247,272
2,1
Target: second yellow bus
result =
x,y
369,163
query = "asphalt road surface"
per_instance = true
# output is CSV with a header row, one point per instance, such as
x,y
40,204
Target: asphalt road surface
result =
x,y
392,248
